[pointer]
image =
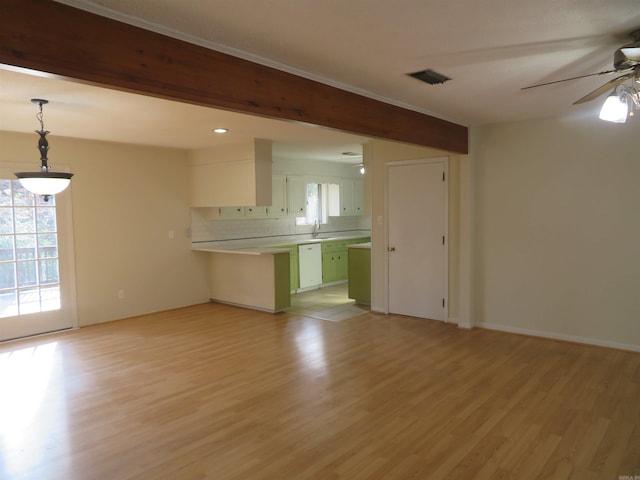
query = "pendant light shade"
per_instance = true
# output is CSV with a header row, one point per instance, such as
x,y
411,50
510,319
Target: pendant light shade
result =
x,y
43,182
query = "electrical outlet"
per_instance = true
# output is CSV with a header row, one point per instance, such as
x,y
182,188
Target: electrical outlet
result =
x,y
172,234
120,294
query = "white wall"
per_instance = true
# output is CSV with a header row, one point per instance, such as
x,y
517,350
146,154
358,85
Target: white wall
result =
x,y
557,229
125,199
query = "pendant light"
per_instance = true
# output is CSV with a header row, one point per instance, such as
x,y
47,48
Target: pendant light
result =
x,y
43,182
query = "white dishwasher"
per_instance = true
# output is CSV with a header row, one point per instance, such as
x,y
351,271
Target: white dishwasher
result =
x,y
310,265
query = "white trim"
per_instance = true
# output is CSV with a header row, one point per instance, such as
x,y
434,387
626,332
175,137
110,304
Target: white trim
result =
x,y
558,336
40,321
461,323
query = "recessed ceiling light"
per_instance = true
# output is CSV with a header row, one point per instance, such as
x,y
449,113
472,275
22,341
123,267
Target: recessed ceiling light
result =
x,y
220,130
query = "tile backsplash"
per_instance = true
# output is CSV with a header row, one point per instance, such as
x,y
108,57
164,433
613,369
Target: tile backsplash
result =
x,y
204,229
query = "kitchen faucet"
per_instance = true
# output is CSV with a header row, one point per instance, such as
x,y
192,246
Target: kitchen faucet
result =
x,y
316,228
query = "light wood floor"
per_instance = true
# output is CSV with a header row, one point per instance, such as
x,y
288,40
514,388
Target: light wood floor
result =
x,y
327,303
217,392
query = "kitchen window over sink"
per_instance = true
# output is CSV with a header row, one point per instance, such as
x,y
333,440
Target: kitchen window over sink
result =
x,y
322,201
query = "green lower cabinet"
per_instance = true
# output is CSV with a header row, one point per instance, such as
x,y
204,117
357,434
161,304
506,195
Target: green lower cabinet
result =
x,y
293,266
335,264
283,287
335,261
329,271
342,265
360,275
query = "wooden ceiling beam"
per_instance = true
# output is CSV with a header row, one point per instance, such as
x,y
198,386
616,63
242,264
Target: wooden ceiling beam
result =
x,y
57,39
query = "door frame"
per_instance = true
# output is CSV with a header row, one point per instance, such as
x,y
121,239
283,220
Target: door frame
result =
x,y
66,265
445,165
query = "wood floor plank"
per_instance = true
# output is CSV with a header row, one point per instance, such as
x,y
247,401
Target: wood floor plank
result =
x,y
218,392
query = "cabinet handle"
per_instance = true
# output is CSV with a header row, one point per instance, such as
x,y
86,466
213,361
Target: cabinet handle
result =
x,y
391,249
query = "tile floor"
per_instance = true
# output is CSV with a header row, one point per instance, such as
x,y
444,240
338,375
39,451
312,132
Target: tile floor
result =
x,y
326,303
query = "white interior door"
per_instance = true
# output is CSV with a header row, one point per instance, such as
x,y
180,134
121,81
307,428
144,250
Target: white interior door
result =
x,y
417,228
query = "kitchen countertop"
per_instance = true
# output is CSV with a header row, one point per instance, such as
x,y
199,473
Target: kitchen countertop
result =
x,y
366,245
272,245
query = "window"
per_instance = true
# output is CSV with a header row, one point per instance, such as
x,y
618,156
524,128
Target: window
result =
x,y
314,204
322,201
29,269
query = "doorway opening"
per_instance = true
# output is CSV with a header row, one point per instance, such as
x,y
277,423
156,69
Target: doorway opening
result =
x,y
330,303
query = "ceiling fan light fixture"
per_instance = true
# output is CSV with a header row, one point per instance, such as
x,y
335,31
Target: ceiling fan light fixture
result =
x,y
620,104
614,109
632,53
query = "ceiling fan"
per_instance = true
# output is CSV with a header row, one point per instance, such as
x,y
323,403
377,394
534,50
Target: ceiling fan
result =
x,y
626,60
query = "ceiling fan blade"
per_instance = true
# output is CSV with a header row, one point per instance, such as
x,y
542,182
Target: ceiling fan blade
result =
x,y
604,88
606,72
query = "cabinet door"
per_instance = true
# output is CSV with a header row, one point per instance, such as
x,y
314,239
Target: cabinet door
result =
x,y
360,275
342,265
296,196
231,212
329,271
278,196
358,197
346,197
255,212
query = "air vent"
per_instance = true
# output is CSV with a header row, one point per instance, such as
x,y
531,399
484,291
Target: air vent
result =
x,y
429,76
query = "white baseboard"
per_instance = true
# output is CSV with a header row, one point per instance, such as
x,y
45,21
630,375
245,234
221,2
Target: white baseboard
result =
x,y
461,323
559,336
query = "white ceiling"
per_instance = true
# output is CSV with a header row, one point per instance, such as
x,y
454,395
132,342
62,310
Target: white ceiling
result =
x,y
490,49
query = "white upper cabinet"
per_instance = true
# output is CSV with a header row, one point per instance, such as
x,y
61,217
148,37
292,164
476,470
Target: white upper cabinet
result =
x,y
351,197
358,197
296,196
278,196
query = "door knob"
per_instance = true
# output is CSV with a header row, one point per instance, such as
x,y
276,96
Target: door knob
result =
x,y
391,249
